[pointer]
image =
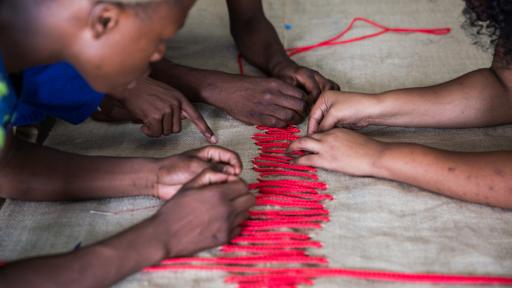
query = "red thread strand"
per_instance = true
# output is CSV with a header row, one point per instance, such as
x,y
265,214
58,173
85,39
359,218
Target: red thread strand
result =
x,y
349,273
334,40
272,248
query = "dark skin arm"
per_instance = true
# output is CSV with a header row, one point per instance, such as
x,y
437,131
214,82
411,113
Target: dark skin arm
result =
x,y
35,173
258,42
253,100
159,107
205,213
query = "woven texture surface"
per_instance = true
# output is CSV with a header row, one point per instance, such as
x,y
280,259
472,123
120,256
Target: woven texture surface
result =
x,y
376,224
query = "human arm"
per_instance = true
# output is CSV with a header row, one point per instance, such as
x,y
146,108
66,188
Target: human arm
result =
x,y
159,107
204,214
477,99
37,173
258,42
252,100
479,177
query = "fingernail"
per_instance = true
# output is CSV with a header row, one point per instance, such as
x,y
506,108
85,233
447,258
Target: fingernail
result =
x,y
213,139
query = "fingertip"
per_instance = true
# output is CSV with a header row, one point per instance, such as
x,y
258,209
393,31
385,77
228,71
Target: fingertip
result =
x,y
312,127
229,170
292,147
145,130
213,139
232,178
300,161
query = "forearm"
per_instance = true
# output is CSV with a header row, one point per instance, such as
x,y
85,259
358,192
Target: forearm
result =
x,y
197,84
476,177
100,265
37,173
255,37
477,99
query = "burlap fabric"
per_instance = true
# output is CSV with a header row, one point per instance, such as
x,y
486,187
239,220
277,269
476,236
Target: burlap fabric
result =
x,y
376,224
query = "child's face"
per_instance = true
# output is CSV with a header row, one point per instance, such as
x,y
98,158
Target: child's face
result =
x,y
124,40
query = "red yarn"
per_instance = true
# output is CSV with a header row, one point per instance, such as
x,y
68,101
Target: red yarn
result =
x,y
334,41
313,272
289,205
278,236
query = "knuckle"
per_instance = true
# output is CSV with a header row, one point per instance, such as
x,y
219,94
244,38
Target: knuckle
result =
x,y
272,122
196,164
274,83
288,115
221,236
302,105
267,96
155,117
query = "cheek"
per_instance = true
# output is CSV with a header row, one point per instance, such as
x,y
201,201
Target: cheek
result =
x,y
122,65
109,72
113,62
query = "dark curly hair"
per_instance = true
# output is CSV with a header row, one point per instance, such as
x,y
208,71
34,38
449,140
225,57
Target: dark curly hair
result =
x,y
491,18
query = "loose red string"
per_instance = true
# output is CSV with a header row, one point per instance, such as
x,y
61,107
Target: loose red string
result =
x,y
274,247
334,41
289,206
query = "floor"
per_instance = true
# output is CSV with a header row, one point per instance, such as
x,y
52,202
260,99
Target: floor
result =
x,y
376,224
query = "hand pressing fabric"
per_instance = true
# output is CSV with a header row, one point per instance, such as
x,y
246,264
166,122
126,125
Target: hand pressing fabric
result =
x,y
305,78
351,110
205,213
255,100
158,106
340,150
176,170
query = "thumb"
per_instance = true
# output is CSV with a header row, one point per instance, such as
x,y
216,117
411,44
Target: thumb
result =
x,y
208,177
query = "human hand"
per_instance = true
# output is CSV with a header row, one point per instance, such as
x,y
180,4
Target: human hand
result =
x,y
258,101
175,171
205,213
351,110
340,150
308,79
158,106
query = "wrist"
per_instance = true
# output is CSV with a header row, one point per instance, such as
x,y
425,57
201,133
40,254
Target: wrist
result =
x,y
279,64
385,109
159,240
140,177
139,246
377,167
394,159
197,85
370,108
162,235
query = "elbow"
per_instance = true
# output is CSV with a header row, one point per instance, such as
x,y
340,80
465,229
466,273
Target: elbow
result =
x,y
8,190
504,77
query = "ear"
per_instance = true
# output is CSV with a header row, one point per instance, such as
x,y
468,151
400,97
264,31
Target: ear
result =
x,y
104,18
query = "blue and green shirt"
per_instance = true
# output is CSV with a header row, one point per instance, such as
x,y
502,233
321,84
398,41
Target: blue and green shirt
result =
x,y
8,101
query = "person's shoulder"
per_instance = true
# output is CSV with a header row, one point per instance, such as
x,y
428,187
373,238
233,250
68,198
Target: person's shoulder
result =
x,y
7,102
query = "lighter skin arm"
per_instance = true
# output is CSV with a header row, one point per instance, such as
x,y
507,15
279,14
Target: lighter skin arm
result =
x,y
482,178
477,99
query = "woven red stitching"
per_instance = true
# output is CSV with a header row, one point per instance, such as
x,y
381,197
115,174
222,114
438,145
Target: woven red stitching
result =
x,y
289,205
